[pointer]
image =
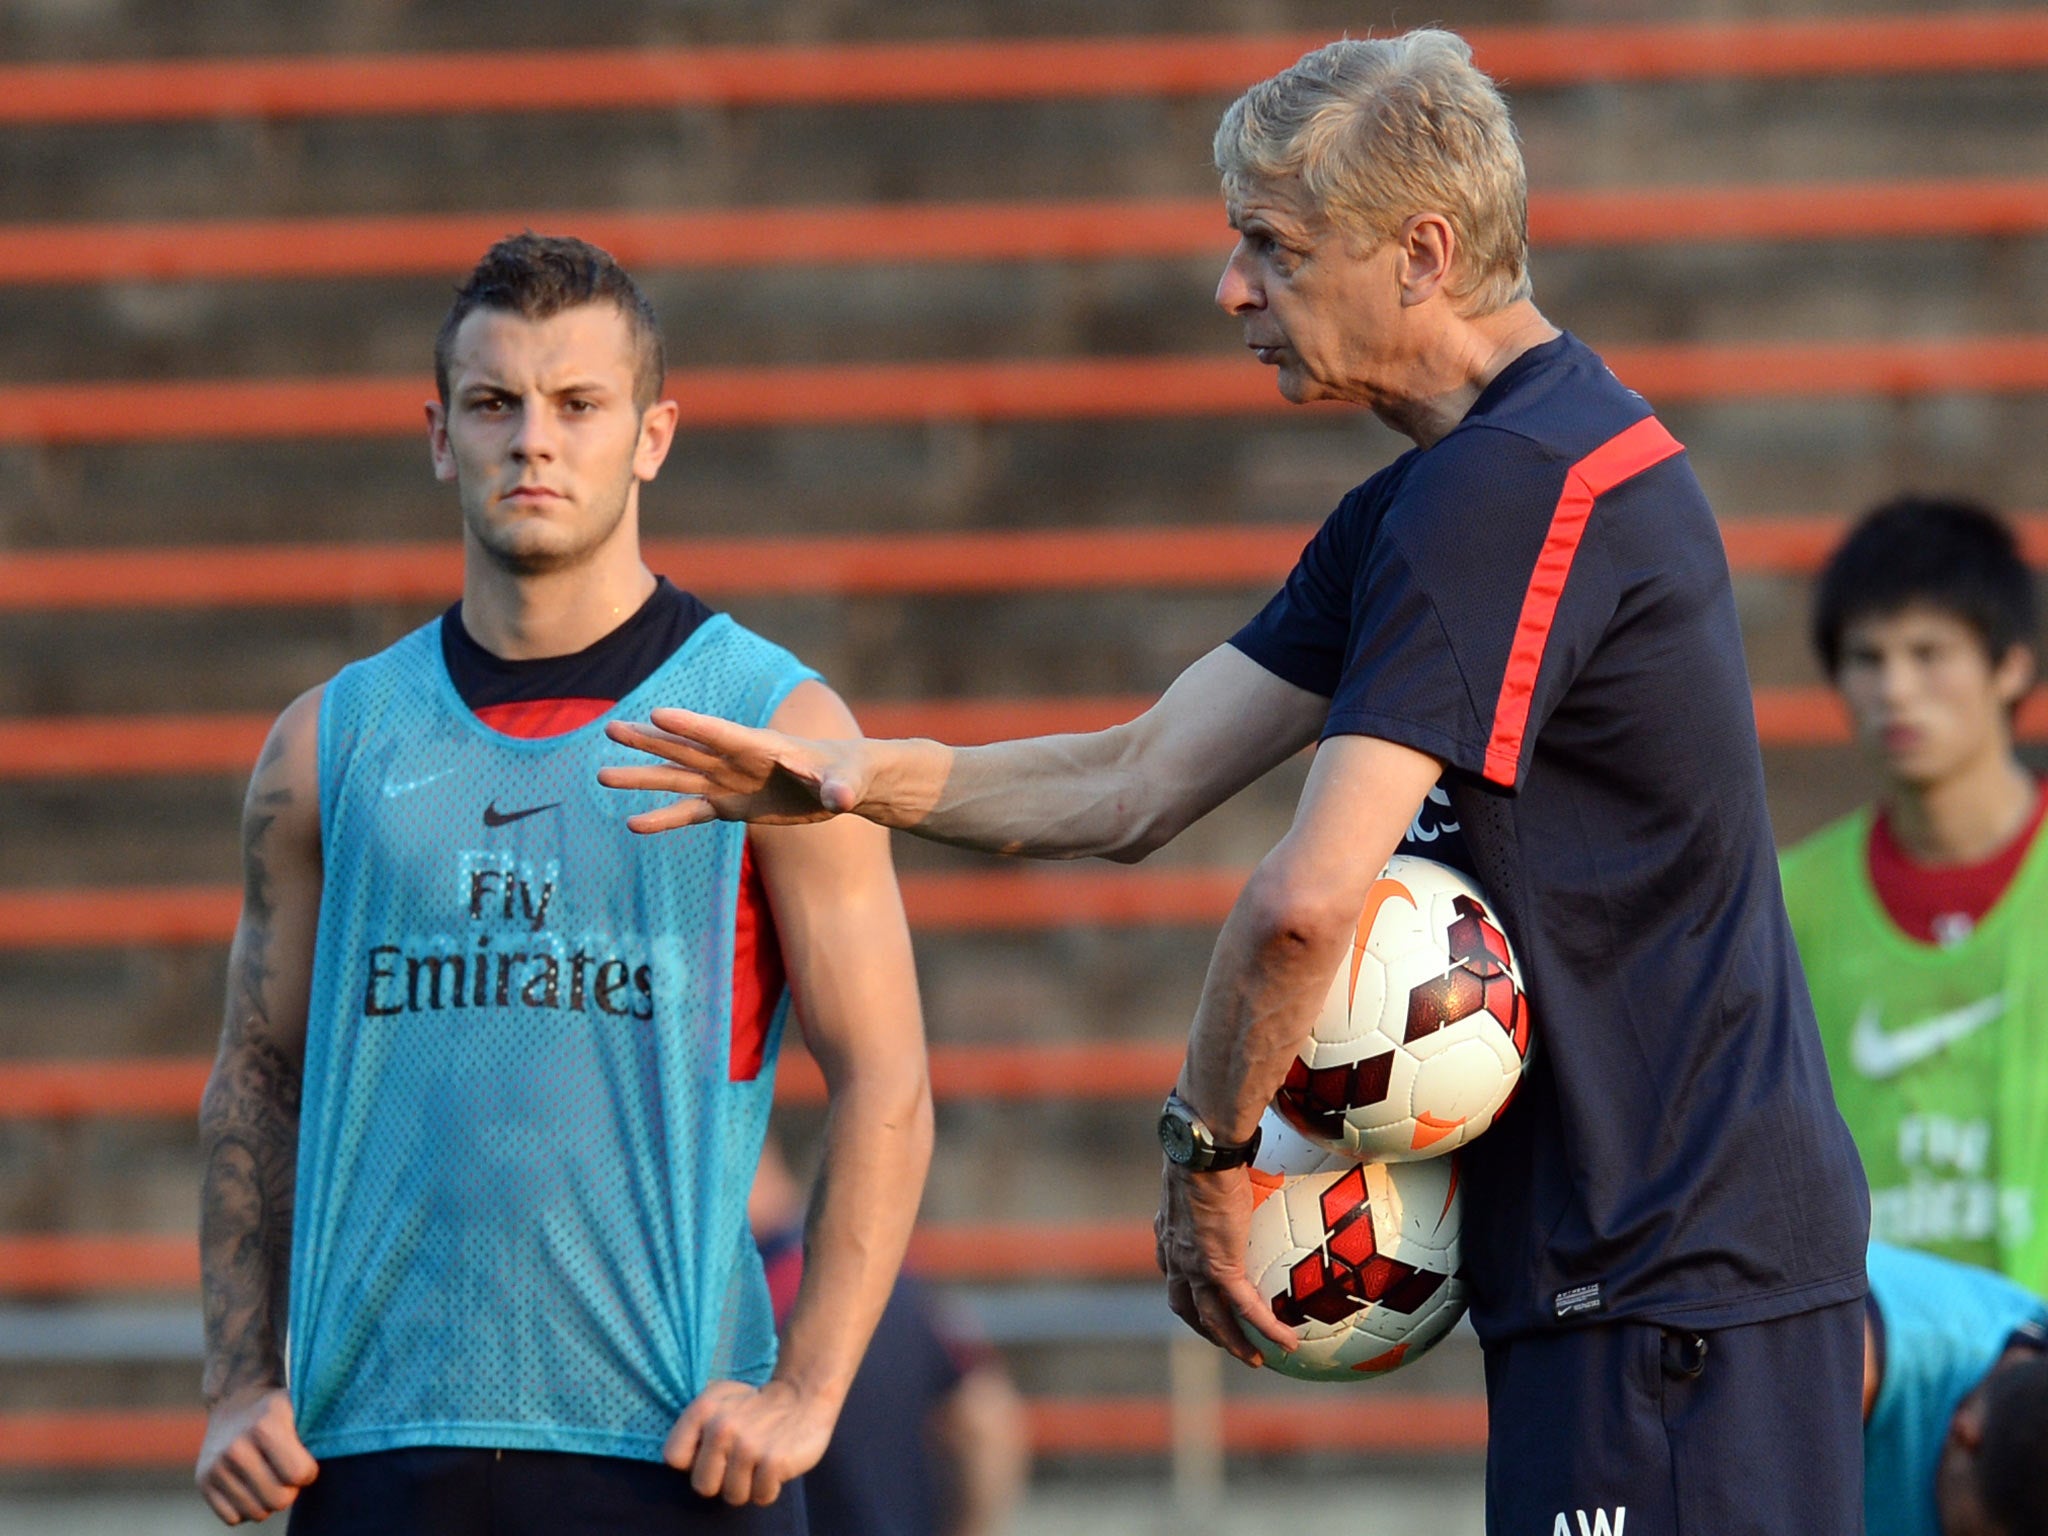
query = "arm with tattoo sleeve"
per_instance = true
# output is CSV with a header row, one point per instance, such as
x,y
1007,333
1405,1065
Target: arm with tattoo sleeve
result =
x,y
252,1463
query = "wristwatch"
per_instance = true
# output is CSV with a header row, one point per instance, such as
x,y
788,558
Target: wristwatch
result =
x,y
1190,1144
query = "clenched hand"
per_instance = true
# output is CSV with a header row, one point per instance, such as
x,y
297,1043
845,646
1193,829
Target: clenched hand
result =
x,y
742,1443
251,1464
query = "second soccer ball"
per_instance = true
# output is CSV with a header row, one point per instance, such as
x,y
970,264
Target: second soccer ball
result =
x,y
1361,1258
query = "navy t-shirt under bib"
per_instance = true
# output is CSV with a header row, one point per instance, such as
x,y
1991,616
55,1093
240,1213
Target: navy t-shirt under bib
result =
x,y
1541,601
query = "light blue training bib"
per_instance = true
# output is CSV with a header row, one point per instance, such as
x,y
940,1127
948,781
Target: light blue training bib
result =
x,y
1945,1325
523,1154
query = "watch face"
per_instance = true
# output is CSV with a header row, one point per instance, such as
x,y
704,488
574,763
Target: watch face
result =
x,y
1177,1137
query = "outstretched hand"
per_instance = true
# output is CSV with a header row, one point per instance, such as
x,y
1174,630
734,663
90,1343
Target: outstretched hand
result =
x,y
728,772
1203,1226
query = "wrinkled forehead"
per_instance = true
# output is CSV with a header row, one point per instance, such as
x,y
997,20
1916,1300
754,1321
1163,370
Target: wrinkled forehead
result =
x,y
584,344
1278,201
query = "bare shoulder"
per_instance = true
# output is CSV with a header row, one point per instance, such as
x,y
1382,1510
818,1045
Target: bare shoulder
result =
x,y
284,789
272,961
813,709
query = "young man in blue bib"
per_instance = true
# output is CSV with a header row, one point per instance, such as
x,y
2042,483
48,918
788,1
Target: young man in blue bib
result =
x,y
1664,1236
1955,1400
495,1075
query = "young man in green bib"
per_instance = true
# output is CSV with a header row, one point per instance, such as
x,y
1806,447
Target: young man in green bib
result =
x,y
1922,920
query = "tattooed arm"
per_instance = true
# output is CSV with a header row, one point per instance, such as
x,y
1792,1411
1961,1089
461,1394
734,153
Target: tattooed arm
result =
x,y
252,1463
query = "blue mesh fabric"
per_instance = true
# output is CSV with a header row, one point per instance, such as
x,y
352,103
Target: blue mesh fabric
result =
x,y
523,1168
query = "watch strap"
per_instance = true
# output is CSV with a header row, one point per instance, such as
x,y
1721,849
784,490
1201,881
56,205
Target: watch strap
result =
x,y
1210,1155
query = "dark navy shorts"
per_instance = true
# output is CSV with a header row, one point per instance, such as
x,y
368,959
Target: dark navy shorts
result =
x,y
446,1491
1632,1428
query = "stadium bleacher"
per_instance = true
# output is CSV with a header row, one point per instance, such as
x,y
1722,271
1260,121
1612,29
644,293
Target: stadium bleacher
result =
x,y
1048,483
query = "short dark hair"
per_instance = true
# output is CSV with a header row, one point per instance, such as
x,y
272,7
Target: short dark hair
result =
x,y
2014,1448
536,276
1955,556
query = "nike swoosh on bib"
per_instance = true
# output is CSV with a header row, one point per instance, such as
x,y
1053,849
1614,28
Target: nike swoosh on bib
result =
x,y
393,789
1877,1053
493,817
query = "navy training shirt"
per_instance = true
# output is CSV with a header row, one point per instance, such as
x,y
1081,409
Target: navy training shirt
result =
x,y
1541,601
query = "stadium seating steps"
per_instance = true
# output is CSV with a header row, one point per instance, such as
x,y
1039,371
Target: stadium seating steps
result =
x,y
1924,346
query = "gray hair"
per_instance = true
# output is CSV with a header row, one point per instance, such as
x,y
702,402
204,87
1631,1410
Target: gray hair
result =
x,y
1380,129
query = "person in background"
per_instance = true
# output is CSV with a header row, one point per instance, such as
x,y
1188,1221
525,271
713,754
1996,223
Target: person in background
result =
x,y
931,1440
1919,918
1955,1401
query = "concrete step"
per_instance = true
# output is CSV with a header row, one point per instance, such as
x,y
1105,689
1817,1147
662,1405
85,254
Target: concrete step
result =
x,y
733,317
1767,456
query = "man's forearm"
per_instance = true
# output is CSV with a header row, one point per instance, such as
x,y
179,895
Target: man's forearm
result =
x,y
1266,981
249,1123
1056,797
878,1143
1288,932
249,1116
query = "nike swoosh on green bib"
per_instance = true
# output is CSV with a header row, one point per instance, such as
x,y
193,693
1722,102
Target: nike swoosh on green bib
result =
x,y
1880,1053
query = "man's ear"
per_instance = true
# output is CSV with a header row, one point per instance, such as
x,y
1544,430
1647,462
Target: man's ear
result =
x,y
1428,246
437,441
2014,674
1966,1425
657,436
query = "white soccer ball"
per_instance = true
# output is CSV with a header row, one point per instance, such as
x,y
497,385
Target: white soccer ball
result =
x,y
1284,1153
1425,1032
1361,1259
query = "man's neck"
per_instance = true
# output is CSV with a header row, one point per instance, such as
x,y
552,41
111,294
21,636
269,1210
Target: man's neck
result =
x,y
1450,377
555,613
1966,818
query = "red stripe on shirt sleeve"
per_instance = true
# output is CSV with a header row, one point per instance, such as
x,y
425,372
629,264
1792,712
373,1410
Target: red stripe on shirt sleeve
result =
x,y
758,975
1622,457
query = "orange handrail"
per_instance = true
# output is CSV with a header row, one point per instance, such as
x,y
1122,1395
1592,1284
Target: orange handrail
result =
x,y
1028,389
130,1087
150,746
978,70
155,745
1034,1250
1055,559
1383,1420
77,1264
101,1439
395,245
1816,717
92,1263
169,1086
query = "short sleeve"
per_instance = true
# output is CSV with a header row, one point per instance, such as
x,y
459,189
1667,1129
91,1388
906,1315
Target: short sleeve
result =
x,y
1304,633
1476,606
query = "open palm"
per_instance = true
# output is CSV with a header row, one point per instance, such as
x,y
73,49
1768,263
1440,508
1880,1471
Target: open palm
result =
x,y
727,772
